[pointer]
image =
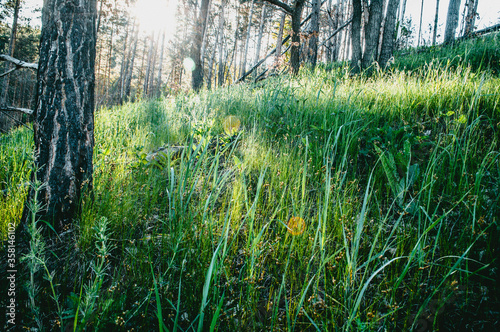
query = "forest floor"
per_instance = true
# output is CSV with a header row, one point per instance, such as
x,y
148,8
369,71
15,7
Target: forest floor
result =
x,y
316,202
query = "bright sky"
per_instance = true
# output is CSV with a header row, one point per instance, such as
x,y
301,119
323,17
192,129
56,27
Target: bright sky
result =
x,y
161,13
488,10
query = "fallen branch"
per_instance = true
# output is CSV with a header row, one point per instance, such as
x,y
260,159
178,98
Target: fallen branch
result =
x,y
14,119
17,63
16,109
335,32
8,72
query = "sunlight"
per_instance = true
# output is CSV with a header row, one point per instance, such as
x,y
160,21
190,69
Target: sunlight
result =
x,y
156,15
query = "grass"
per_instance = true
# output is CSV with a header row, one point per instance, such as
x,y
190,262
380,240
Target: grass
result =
x,y
396,176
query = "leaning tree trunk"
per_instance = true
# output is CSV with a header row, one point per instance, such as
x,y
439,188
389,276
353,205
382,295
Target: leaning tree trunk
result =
x,y
451,21
389,35
64,122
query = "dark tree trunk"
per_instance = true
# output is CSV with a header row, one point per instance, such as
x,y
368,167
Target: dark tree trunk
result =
x,y
199,33
389,33
314,33
295,49
451,21
64,121
356,36
295,11
372,33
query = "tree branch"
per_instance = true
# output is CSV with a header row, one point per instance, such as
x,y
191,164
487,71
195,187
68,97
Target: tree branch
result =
x,y
336,31
17,63
16,109
282,5
8,72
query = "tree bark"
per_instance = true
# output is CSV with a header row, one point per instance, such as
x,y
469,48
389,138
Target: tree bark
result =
x,y
313,34
389,35
420,24
470,20
5,122
249,31
295,49
220,75
160,65
261,32
280,37
130,66
436,18
372,33
196,52
64,121
451,21
356,36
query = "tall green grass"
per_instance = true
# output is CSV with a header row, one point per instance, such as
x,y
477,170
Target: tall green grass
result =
x,y
396,176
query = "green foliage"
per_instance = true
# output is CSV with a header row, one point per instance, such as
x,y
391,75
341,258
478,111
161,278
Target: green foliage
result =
x,y
477,53
396,177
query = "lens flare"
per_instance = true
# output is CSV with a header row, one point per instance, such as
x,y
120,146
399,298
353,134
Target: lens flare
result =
x,y
189,64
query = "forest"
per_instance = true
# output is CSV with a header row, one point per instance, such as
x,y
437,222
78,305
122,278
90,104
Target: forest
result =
x,y
222,165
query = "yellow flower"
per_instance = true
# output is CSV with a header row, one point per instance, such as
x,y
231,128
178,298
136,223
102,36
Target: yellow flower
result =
x,y
231,125
296,226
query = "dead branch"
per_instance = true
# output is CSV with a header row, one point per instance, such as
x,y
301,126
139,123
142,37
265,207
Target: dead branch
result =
x,y
17,63
16,109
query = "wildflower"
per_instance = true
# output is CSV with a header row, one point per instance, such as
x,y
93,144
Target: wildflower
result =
x,y
296,225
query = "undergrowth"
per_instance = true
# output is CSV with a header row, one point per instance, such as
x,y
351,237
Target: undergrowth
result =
x,y
340,203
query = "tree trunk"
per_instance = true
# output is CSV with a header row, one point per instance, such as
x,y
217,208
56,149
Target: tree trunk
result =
x,y
436,18
295,49
389,33
220,75
130,66
64,121
261,32
401,18
451,21
280,37
420,24
372,33
356,36
249,31
5,122
148,66
124,64
196,52
470,20
160,65
313,34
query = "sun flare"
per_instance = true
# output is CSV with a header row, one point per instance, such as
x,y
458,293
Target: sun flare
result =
x,y
156,16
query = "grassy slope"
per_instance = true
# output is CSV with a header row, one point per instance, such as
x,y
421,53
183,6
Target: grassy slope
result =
x,y
396,176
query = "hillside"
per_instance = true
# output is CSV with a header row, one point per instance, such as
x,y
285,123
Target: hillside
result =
x,y
317,202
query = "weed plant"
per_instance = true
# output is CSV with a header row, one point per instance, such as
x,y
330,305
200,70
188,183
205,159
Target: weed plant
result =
x,y
393,181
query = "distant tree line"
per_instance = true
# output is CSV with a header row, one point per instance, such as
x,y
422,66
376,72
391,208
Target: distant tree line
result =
x,y
228,41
